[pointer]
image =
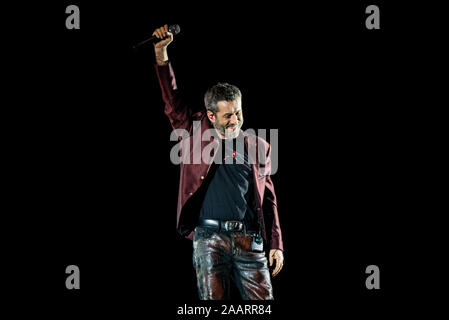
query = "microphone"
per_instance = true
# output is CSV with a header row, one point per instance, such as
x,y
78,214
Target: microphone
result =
x,y
174,29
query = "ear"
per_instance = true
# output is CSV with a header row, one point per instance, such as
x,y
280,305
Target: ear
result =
x,y
211,116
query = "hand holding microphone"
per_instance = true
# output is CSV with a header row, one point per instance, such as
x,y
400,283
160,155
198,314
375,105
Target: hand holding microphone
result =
x,y
163,33
160,47
161,38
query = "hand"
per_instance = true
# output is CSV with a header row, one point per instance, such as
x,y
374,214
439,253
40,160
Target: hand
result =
x,y
277,255
160,48
161,33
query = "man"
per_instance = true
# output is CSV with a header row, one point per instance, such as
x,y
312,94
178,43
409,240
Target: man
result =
x,y
228,209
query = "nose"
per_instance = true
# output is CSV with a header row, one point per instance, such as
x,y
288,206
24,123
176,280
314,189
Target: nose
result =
x,y
234,119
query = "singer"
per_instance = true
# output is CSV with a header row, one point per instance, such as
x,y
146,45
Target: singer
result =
x,y
228,209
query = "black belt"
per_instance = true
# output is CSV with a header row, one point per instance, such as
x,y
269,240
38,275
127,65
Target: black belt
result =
x,y
220,225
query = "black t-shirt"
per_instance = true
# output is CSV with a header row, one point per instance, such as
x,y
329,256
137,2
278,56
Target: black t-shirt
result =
x,y
230,192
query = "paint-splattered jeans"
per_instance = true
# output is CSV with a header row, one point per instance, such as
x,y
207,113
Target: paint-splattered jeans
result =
x,y
221,257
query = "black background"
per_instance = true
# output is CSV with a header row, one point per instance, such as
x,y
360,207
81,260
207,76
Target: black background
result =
x,y
100,192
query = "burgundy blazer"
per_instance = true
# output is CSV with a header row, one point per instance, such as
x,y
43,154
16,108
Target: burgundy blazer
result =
x,y
193,174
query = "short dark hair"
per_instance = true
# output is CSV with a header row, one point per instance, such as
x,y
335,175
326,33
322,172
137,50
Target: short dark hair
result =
x,y
220,92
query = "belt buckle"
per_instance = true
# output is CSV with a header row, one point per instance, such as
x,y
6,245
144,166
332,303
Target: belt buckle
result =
x,y
233,224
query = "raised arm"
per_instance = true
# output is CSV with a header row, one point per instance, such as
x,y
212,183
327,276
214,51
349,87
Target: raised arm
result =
x,y
178,113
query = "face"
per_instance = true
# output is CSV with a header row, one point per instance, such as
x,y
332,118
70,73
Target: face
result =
x,y
229,118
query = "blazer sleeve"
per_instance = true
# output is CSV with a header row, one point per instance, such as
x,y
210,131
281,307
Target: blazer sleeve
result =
x,y
178,113
271,211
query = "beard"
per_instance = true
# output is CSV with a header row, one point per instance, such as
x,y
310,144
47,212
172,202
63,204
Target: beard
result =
x,y
229,131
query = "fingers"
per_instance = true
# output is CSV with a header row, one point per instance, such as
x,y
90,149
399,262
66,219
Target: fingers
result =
x,y
161,32
279,265
279,257
170,36
165,36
